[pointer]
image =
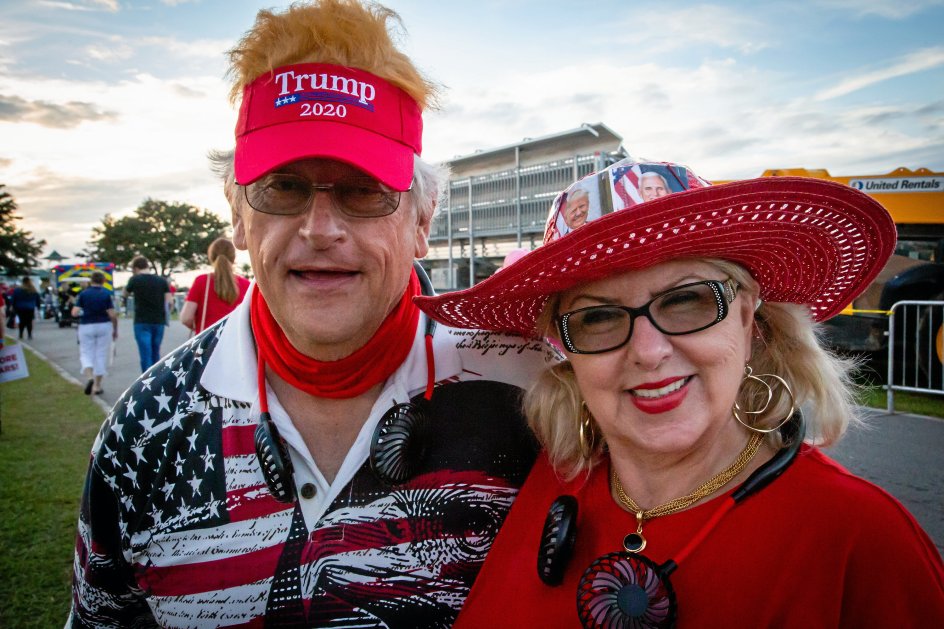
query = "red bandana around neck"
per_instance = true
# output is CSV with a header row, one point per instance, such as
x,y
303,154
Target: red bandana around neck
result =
x,y
349,377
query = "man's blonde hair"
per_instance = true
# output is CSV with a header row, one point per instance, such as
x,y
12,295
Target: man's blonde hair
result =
x,y
340,32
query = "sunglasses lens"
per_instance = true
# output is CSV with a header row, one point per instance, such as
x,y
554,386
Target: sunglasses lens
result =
x,y
279,194
290,194
363,196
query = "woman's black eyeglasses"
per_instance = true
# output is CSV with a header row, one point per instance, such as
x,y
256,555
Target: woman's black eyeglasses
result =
x,y
680,310
358,197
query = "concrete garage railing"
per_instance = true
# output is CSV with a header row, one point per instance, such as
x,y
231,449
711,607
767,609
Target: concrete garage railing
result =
x,y
915,352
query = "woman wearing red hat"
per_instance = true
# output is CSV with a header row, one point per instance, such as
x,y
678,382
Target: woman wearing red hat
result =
x,y
681,484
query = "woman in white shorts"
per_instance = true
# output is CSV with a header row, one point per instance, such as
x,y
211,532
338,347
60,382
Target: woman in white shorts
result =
x,y
98,327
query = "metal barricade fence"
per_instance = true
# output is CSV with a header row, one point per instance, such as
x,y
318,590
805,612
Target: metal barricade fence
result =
x,y
915,352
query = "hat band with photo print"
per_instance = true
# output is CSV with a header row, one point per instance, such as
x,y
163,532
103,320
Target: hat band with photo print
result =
x,y
805,241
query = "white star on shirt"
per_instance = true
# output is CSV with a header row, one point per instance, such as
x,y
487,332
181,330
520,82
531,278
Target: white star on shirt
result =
x,y
109,453
162,401
138,450
118,430
156,515
193,441
181,375
129,406
195,485
208,459
146,383
177,418
168,489
132,474
147,424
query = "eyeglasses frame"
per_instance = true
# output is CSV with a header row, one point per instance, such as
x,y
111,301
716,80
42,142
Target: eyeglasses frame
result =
x,y
725,292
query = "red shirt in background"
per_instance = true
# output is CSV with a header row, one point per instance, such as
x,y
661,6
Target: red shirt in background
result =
x,y
216,308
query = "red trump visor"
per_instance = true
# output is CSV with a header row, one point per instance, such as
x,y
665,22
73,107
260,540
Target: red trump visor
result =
x,y
312,110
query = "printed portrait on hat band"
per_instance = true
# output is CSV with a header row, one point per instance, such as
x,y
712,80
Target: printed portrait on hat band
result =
x,y
579,205
640,183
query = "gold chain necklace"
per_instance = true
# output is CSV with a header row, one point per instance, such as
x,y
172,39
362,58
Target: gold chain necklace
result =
x,y
635,542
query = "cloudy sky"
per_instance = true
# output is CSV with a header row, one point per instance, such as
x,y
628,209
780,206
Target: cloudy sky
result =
x,y
104,103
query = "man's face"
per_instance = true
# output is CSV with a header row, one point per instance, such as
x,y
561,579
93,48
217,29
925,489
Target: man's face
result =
x,y
330,279
652,187
576,213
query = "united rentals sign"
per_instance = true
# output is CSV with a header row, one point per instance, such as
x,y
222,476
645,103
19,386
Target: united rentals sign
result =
x,y
885,185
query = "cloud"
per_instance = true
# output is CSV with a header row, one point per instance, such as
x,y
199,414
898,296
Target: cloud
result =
x,y
114,51
661,30
891,9
90,5
710,116
197,48
63,209
918,61
54,115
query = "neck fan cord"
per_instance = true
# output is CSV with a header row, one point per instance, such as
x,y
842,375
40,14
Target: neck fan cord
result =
x,y
624,589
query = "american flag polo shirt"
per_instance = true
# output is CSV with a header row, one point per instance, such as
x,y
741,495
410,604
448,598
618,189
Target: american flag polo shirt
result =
x,y
177,527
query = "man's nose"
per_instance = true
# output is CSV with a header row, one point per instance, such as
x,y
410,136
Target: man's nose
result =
x,y
322,222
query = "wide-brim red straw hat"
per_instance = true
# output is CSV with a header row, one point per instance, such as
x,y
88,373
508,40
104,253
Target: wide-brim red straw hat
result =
x,y
805,241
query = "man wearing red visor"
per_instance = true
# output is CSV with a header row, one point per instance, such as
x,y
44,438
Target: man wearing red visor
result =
x,y
324,455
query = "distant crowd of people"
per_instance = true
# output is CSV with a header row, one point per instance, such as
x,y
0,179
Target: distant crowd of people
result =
x,y
147,297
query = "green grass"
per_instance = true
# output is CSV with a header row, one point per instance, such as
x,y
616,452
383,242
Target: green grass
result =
x,y
905,402
48,429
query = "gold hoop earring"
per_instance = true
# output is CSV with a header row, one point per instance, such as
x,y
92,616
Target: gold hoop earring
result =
x,y
749,375
586,433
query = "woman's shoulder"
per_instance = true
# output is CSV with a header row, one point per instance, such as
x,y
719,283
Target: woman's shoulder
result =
x,y
824,478
197,286
822,485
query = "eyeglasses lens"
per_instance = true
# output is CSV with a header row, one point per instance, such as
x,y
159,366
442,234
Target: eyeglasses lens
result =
x,y
682,310
354,196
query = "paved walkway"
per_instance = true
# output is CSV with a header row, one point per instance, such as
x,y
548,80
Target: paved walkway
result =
x,y
60,346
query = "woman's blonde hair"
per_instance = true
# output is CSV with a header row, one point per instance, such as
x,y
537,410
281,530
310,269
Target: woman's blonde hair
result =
x,y
786,343
222,255
340,32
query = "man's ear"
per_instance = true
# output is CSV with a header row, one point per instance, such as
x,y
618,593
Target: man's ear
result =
x,y
239,229
423,226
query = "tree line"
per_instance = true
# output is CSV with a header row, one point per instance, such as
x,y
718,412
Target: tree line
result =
x,y
173,236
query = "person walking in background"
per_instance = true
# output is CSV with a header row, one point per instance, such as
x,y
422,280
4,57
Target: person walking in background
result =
x,y
25,303
214,295
98,327
151,300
